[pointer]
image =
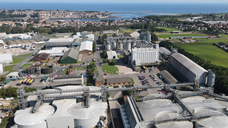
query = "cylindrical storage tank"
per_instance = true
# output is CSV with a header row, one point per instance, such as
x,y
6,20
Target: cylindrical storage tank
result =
x,y
210,79
47,69
26,119
87,117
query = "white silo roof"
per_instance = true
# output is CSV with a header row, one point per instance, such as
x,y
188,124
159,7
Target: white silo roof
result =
x,y
194,99
96,109
25,117
176,124
214,122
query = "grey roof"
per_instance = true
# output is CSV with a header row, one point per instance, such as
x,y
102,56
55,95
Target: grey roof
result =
x,y
118,80
73,53
168,77
63,34
192,66
163,50
56,44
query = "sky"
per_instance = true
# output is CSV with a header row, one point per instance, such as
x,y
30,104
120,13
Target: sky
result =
x,y
115,1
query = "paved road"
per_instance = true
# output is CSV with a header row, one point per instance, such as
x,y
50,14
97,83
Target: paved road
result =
x,y
98,57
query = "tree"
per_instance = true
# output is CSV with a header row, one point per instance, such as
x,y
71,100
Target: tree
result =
x,y
113,62
154,37
70,66
94,46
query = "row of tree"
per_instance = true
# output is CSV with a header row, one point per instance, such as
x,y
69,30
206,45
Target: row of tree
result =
x,y
221,80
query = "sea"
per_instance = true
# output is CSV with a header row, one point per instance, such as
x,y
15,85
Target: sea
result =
x,y
129,10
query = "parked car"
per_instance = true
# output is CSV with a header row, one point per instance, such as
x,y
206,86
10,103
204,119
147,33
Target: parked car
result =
x,y
105,73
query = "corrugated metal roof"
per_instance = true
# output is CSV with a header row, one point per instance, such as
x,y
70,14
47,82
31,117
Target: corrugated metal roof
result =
x,y
111,54
163,50
73,53
192,66
86,45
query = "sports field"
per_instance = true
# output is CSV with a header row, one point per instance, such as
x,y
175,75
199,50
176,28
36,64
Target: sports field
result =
x,y
206,50
168,35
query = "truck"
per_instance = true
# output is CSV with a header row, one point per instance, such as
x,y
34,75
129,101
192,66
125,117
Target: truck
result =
x,y
31,81
20,82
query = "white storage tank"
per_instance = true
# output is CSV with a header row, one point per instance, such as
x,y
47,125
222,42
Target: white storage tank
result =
x,y
210,79
87,117
26,119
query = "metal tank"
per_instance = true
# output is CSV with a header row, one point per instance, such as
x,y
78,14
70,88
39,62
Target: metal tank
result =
x,y
26,119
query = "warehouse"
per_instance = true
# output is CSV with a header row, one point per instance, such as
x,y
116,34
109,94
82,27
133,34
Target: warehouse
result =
x,y
86,47
55,51
6,58
118,81
41,57
19,36
189,69
71,56
59,42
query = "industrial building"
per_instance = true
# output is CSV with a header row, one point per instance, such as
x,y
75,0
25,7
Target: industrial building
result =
x,y
63,110
71,56
86,47
6,58
118,81
41,57
19,36
3,35
145,54
163,113
191,71
84,35
111,55
145,35
70,80
55,51
59,42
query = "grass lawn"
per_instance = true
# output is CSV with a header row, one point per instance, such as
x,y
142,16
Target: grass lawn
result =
x,y
132,81
9,68
128,30
18,60
169,29
206,50
78,68
25,55
25,65
167,36
109,69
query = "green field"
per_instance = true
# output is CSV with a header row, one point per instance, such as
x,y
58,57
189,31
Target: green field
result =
x,y
168,35
169,29
109,69
25,55
9,68
206,50
25,65
18,60
127,31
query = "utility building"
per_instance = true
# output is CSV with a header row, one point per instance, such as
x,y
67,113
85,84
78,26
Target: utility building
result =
x,y
41,57
70,56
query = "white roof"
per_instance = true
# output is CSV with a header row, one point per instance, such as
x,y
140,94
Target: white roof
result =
x,y
25,117
6,58
12,74
86,45
192,66
135,34
176,124
1,42
60,40
111,54
55,51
